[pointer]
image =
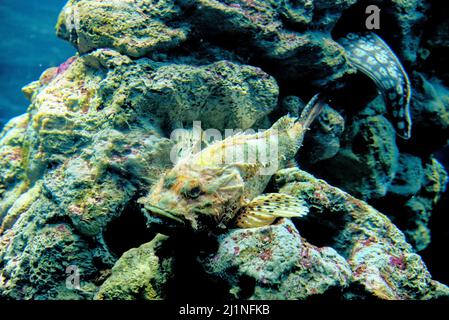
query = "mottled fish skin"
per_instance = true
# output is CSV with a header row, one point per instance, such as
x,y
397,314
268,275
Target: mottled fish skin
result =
x,y
372,56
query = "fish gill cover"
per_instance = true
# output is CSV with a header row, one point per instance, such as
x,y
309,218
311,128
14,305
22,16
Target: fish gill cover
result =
x,y
175,154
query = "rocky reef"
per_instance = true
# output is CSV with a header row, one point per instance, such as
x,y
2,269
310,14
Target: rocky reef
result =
x,y
97,136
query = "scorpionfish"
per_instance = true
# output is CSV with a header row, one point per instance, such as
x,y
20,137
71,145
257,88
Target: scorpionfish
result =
x,y
222,185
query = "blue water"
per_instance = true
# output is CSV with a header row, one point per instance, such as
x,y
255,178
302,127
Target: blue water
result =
x,y
28,46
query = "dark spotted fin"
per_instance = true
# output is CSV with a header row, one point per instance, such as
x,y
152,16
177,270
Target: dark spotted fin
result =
x,y
372,56
264,209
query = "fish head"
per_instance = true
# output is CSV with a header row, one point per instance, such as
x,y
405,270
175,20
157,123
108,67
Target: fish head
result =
x,y
199,196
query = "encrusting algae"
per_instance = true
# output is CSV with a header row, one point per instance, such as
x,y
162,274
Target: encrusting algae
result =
x,y
88,183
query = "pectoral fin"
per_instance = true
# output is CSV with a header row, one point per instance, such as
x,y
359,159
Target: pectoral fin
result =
x,y
264,209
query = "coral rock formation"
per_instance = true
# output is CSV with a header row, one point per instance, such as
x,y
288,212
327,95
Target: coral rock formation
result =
x,y
96,137
383,263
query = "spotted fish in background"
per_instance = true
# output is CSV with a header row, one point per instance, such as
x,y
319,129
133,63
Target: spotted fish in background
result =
x,y
372,56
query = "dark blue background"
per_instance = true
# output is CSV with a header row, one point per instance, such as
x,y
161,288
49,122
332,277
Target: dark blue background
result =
x,y
28,46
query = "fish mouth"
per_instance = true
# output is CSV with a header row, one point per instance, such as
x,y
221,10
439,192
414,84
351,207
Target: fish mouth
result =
x,y
163,212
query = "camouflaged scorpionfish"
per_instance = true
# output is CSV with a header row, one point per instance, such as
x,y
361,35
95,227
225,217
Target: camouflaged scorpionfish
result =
x,y
372,56
220,186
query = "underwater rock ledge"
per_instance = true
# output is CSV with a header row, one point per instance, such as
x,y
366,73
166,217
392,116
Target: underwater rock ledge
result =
x,y
96,137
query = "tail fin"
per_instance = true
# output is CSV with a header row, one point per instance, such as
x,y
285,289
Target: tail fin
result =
x,y
311,111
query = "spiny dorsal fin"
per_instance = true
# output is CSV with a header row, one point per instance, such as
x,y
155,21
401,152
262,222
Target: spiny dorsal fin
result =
x,y
264,209
311,110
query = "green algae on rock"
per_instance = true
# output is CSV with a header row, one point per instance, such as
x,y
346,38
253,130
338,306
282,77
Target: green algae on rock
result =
x,y
281,263
95,138
412,196
408,178
135,28
257,26
418,209
92,140
431,111
369,152
96,105
35,253
139,274
13,154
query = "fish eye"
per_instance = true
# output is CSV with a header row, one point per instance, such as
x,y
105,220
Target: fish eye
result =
x,y
194,192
